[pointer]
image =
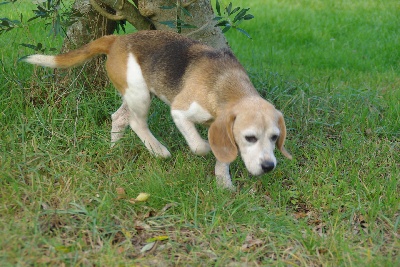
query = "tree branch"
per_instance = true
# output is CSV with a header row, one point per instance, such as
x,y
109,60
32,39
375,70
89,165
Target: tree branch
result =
x,y
124,10
104,13
188,3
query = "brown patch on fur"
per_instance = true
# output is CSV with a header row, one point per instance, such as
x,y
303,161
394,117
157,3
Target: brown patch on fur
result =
x,y
281,140
116,65
220,136
86,52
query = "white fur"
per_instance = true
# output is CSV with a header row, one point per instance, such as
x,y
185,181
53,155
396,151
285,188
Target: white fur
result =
x,y
185,120
42,60
120,119
223,176
137,100
254,154
165,100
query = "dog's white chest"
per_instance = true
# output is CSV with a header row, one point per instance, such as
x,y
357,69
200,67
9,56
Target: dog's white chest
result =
x,y
195,113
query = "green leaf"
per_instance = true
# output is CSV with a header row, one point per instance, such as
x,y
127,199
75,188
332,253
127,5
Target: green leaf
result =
x,y
248,17
240,14
218,8
222,23
235,10
64,249
33,18
169,23
228,9
31,46
157,238
227,28
22,58
186,12
217,18
244,32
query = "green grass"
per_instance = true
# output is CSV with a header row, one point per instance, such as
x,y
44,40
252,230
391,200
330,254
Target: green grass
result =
x,y
332,67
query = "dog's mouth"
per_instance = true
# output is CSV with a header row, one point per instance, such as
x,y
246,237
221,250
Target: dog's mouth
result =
x,y
263,169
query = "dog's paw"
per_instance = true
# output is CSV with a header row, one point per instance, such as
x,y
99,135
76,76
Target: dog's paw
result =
x,y
160,151
202,148
225,183
115,136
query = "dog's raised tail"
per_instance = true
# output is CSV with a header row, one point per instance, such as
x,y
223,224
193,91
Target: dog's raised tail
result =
x,y
74,57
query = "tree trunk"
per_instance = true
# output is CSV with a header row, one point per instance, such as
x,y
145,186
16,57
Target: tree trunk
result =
x,y
97,18
151,14
89,26
201,17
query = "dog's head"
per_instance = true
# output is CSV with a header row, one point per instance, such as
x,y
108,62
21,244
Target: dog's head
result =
x,y
252,127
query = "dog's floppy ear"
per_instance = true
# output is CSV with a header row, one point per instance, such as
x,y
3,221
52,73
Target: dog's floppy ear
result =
x,y
222,141
281,140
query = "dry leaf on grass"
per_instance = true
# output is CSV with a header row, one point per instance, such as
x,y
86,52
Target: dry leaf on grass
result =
x,y
142,197
120,193
147,247
157,238
251,243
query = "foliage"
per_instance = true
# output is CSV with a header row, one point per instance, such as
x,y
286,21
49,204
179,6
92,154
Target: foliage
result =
x,y
179,22
58,16
7,24
53,12
228,22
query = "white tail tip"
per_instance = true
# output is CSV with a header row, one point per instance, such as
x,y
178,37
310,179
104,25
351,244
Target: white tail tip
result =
x,y
42,60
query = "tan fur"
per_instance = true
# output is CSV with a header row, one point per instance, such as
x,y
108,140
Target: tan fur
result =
x,y
282,137
220,136
86,52
202,85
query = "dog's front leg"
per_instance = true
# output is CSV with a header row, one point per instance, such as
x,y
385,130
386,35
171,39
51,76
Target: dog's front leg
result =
x,y
223,176
197,144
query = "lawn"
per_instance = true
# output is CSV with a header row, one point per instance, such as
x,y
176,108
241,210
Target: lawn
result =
x,y
332,67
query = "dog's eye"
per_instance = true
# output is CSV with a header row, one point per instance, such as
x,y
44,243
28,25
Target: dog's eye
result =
x,y
251,138
274,137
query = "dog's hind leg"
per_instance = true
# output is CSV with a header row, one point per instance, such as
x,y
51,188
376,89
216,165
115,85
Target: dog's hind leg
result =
x,y
139,125
120,120
137,98
125,116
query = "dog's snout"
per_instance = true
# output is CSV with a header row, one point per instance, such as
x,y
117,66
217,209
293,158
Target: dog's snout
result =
x,y
267,166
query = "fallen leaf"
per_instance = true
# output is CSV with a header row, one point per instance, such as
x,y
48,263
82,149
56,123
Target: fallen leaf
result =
x,y
250,242
120,193
63,249
300,215
147,247
44,205
142,197
126,233
140,226
157,238
120,250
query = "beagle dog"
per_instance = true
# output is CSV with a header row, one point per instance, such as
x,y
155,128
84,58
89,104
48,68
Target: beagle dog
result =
x,y
201,85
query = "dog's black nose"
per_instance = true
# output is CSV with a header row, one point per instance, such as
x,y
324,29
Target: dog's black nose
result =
x,y
267,166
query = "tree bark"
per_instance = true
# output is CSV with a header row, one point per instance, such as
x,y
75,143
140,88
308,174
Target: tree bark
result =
x,y
149,14
89,26
201,17
98,18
